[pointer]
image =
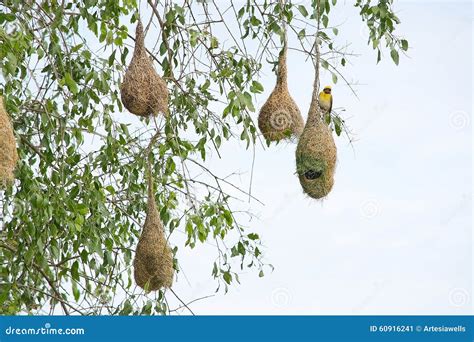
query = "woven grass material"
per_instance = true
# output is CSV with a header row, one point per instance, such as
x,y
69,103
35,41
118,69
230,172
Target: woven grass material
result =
x,y
316,157
153,263
143,91
8,152
280,117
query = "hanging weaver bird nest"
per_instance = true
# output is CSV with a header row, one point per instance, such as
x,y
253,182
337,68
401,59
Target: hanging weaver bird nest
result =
x,y
316,153
143,91
280,117
316,157
8,153
153,264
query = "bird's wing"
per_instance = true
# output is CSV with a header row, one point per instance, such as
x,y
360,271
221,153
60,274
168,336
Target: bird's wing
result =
x,y
330,106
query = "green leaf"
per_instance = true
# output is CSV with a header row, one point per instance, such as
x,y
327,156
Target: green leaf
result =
x,y
327,118
241,248
75,271
404,44
228,217
193,37
77,47
395,56
71,84
253,236
75,291
256,87
337,125
82,208
214,43
247,98
302,34
217,140
112,58
227,277
206,85
303,10
325,20
255,21
127,308
241,12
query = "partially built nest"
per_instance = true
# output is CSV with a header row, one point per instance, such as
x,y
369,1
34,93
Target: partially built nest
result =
x,y
153,264
8,152
316,157
143,91
280,118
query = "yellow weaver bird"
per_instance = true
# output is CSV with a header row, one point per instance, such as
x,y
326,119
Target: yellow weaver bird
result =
x,y
325,99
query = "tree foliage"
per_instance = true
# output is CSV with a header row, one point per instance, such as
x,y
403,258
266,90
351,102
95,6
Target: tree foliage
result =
x,y
70,222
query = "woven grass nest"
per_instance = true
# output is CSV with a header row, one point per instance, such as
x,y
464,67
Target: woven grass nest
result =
x,y
153,263
143,91
316,157
8,152
279,117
